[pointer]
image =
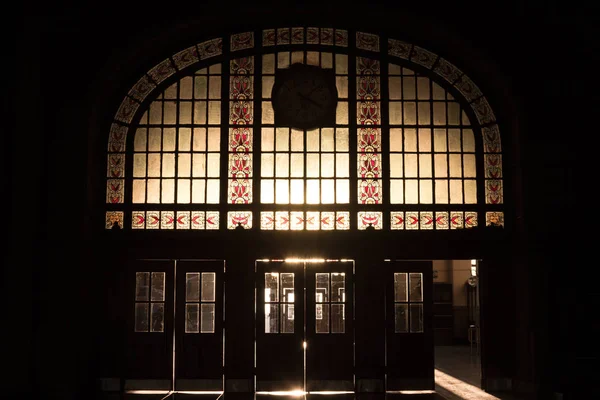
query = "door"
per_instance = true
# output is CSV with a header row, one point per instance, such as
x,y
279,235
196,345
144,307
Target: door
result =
x,y
175,305
304,326
149,346
199,325
409,325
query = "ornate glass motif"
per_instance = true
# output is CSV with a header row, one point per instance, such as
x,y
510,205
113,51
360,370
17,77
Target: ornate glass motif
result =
x,y
267,220
212,220
283,36
493,166
153,220
198,220
493,191
423,57
342,220
467,88
412,220
369,134
115,191
116,140
296,220
186,57
447,70
210,48
457,220
162,71
396,220
470,219
114,217
427,222
441,220
269,37
369,219
327,220
312,35
182,220
327,36
367,41
341,37
142,88
282,220
491,139
241,93
483,111
138,219
127,110
241,41
116,166
494,218
312,221
167,220
297,35
239,218
399,49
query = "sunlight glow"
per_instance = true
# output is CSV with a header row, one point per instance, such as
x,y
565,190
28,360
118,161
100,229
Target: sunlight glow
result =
x,y
293,393
461,389
306,260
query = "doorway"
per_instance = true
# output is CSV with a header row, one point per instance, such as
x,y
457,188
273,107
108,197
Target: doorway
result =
x,y
304,325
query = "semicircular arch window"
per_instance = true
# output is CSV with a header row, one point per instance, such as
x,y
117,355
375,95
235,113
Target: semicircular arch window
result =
x,y
412,144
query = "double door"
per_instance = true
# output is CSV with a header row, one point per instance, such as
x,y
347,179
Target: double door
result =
x,y
304,326
175,332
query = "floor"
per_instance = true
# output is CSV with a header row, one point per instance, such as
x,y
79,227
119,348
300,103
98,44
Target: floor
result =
x,y
457,377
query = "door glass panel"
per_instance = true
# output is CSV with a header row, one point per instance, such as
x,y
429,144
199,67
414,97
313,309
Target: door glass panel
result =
x,y
271,287
157,316
192,286
400,286
158,286
337,317
207,318
322,287
287,287
192,318
321,317
416,317
338,288
271,317
400,318
141,317
287,318
142,285
416,288
208,286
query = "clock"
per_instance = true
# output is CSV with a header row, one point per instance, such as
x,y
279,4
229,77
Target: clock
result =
x,y
304,97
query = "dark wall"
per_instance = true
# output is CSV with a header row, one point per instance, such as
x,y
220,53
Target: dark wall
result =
x,y
66,66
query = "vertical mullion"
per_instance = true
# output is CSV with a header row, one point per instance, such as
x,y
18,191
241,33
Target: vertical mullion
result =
x,y
176,153
385,138
352,131
432,142
225,128
255,150
162,133
418,142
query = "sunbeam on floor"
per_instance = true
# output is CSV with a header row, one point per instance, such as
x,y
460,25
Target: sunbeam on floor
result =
x,y
455,389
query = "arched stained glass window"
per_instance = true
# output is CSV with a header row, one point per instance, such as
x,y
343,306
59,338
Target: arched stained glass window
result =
x,y
413,144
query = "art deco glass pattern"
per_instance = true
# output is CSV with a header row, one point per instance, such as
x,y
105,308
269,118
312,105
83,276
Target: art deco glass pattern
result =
x,y
430,159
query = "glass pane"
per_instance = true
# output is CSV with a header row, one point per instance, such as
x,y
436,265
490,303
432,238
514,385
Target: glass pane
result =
x,y
271,318
271,287
400,318
416,287
322,318
192,318
322,287
142,284
287,318
207,318
287,287
416,317
157,317
141,317
338,318
338,287
400,286
297,161
192,289
297,191
208,286
158,286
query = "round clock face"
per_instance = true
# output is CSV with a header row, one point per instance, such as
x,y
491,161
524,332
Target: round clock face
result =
x,y
304,97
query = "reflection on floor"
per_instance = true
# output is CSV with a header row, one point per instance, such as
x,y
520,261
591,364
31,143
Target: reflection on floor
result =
x,y
460,362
